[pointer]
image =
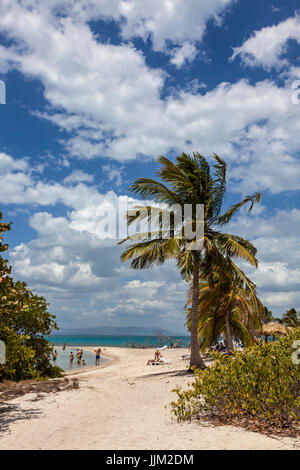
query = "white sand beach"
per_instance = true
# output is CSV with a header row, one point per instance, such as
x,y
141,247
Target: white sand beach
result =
x,y
121,405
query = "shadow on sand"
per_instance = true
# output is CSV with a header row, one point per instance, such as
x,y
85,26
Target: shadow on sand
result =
x,y
170,373
11,413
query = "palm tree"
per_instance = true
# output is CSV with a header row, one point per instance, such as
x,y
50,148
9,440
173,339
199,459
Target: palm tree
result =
x,y
228,304
188,181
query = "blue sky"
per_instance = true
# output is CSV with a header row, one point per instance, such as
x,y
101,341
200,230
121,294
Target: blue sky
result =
x,y
97,90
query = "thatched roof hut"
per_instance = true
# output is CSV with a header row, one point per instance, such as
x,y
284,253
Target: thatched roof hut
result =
x,y
274,328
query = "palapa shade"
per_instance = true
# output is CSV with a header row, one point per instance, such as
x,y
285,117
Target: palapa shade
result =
x,y
273,328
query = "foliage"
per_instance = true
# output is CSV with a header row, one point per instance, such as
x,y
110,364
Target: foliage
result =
x,y
228,305
260,384
4,268
24,321
291,318
267,315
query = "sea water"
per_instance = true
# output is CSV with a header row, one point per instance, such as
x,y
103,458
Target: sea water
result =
x,y
119,341
63,359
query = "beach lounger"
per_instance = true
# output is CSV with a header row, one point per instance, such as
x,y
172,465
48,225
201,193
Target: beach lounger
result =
x,y
164,361
161,362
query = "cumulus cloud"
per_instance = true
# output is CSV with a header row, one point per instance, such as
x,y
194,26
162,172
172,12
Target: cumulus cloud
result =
x,y
109,100
81,275
186,53
77,267
114,174
266,47
78,176
171,21
277,241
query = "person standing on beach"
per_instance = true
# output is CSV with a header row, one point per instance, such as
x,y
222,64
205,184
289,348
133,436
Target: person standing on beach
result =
x,y
64,346
78,357
98,352
71,357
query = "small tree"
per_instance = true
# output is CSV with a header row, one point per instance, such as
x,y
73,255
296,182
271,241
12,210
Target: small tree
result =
x,y
291,318
24,323
267,315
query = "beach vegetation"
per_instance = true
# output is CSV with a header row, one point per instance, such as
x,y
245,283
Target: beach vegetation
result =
x,y
257,388
24,323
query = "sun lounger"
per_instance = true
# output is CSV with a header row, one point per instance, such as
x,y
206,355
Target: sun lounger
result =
x,y
164,361
161,362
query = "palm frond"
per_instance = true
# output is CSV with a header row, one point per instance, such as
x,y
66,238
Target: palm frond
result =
x,y
218,187
236,247
227,216
151,189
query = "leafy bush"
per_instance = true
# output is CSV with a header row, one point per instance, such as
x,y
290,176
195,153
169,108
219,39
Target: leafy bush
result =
x,y
24,321
258,385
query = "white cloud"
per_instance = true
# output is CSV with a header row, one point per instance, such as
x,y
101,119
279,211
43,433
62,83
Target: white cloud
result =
x,y
79,272
72,263
68,261
9,164
266,46
172,20
109,100
255,126
78,176
114,174
107,91
186,53
277,241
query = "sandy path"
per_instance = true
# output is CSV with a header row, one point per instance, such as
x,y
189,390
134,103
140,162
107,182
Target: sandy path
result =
x,y
122,406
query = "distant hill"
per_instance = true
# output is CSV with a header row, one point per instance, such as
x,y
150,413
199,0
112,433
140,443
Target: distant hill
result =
x,y
114,331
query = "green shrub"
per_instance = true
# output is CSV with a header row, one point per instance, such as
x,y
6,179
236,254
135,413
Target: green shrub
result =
x,y
261,383
24,321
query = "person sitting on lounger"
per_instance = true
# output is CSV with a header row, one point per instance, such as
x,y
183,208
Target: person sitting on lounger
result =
x,y
156,359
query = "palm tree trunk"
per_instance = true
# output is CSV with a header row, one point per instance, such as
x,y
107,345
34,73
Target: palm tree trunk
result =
x,y
196,359
229,342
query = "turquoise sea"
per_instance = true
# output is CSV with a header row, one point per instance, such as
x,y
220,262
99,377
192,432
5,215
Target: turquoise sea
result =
x,y
120,341
63,359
